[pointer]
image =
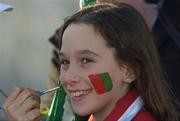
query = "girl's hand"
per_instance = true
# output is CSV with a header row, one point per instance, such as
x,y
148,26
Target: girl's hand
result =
x,y
23,105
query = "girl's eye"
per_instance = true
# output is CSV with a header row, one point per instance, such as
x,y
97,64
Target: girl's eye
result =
x,y
64,62
86,60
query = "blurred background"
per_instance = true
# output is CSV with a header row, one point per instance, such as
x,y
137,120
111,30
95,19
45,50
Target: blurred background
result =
x,y
25,51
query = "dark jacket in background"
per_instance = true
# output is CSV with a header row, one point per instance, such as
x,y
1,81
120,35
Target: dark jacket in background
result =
x,y
167,33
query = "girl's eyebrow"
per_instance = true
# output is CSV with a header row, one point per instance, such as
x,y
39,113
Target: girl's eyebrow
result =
x,y
80,52
88,52
61,54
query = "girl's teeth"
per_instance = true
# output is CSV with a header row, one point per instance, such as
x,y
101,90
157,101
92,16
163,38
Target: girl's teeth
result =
x,y
78,93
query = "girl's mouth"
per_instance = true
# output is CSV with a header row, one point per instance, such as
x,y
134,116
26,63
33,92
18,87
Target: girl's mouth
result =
x,y
78,94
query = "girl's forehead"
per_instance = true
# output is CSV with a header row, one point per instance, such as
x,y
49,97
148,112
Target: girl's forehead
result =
x,y
79,37
79,29
82,34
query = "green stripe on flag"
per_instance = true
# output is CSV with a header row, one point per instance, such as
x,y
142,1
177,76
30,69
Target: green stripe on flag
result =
x,y
56,110
60,109
105,77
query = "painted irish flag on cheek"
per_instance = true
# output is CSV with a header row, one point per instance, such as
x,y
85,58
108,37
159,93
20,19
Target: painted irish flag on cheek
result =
x,y
102,82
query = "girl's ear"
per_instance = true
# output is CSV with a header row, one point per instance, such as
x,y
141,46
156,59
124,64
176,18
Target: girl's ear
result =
x,y
131,73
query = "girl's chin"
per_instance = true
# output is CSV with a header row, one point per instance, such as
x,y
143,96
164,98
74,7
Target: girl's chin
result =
x,y
81,112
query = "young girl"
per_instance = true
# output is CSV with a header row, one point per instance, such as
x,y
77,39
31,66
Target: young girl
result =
x,y
109,69
113,40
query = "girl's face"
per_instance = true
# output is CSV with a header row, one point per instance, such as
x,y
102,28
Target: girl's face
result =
x,y
84,52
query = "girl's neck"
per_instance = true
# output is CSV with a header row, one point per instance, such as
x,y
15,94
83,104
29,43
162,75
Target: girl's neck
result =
x,y
101,115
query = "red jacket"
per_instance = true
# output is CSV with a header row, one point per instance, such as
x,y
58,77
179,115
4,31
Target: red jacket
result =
x,y
123,104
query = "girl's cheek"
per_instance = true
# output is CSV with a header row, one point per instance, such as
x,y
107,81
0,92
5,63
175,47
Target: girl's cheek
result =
x,y
61,77
101,82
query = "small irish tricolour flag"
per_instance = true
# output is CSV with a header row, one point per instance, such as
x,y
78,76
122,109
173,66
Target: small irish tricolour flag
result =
x,y
102,82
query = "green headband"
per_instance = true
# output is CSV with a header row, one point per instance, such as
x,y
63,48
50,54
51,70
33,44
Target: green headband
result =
x,y
84,3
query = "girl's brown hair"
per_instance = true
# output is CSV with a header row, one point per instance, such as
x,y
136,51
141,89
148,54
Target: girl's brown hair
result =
x,y
124,29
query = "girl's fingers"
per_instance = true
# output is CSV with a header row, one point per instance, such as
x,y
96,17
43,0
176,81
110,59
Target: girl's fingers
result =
x,y
23,96
22,104
31,103
11,98
33,115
